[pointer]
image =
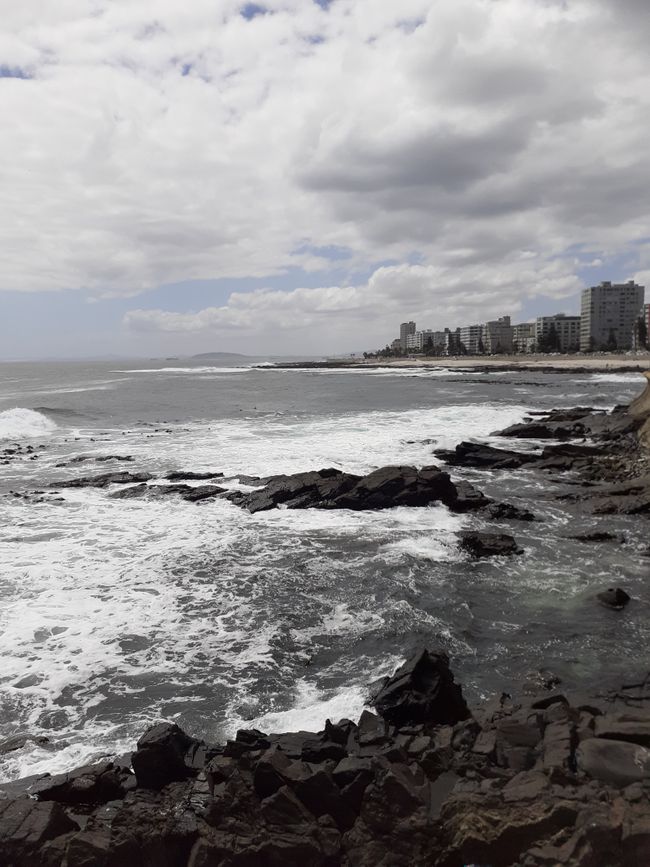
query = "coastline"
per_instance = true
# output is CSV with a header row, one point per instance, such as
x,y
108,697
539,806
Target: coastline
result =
x,y
482,363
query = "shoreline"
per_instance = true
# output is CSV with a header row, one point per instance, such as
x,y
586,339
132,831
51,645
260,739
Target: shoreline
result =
x,y
482,363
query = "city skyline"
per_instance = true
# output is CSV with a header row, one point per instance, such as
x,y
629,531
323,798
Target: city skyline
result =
x,y
613,316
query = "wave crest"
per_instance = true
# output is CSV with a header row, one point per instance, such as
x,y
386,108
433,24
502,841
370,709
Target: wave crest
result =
x,y
19,423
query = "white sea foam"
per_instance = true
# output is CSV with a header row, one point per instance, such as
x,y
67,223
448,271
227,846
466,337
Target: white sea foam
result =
x,y
186,370
636,378
20,423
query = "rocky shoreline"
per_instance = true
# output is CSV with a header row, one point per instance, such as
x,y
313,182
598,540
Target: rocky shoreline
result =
x,y
532,779
538,781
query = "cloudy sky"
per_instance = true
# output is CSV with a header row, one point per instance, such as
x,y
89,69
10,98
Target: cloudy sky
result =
x,y
299,176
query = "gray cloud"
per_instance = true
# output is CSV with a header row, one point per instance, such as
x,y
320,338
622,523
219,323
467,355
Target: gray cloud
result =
x,y
201,145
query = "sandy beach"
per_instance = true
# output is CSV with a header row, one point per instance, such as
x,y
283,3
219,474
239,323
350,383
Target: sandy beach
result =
x,y
640,361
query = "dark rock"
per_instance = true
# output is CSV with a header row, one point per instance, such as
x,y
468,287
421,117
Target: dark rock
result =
x,y
17,742
488,544
187,492
268,776
613,761
161,756
26,825
317,751
633,726
422,691
89,785
467,454
508,512
188,475
103,481
599,537
540,431
614,598
384,488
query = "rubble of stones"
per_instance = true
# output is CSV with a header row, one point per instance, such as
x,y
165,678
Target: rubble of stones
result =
x,y
541,782
18,451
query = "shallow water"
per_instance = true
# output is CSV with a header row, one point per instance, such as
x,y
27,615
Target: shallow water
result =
x,y
116,613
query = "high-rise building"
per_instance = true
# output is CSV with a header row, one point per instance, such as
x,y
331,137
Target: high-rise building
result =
x,y
405,329
497,336
523,337
609,315
559,333
471,339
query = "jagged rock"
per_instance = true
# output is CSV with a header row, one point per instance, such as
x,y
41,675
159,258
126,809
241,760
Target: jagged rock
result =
x,y
613,761
422,691
103,481
508,512
488,544
384,488
187,492
17,742
90,784
614,598
188,475
541,431
467,454
26,825
161,756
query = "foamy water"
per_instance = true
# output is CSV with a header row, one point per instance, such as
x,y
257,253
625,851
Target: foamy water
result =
x,y
116,613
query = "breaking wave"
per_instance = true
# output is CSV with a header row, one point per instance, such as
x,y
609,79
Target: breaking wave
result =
x,y
18,423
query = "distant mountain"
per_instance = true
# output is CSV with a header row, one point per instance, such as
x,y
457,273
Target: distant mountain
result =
x,y
221,355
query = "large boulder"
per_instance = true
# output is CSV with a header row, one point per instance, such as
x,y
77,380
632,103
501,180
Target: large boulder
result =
x,y
422,691
164,754
614,762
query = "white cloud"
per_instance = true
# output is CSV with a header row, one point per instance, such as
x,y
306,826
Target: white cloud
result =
x,y
471,133
339,317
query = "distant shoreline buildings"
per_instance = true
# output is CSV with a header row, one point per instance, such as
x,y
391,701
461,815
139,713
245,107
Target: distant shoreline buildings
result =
x,y
613,316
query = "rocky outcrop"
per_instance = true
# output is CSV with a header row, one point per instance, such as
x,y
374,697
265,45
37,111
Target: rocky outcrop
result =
x,y
103,480
539,782
382,489
193,494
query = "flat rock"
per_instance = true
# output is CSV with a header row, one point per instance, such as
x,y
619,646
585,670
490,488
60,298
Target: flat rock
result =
x,y
613,761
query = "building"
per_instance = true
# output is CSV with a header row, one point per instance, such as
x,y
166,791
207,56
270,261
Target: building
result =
x,y
452,342
523,337
405,329
471,339
426,341
396,345
497,336
559,333
609,315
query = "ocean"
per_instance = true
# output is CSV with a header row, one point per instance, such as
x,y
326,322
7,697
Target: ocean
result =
x,y
117,613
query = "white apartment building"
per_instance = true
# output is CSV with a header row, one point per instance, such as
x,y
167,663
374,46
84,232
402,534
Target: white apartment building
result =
x,y
609,315
567,329
523,337
497,336
405,329
471,338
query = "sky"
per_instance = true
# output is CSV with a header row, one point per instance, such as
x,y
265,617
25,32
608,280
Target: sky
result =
x,y
299,176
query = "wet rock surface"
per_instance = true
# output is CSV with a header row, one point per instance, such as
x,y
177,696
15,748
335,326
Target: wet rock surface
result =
x,y
488,544
422,781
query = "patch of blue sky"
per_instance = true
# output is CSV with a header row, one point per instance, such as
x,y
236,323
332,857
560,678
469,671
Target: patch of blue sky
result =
x,y
13,72
252,10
